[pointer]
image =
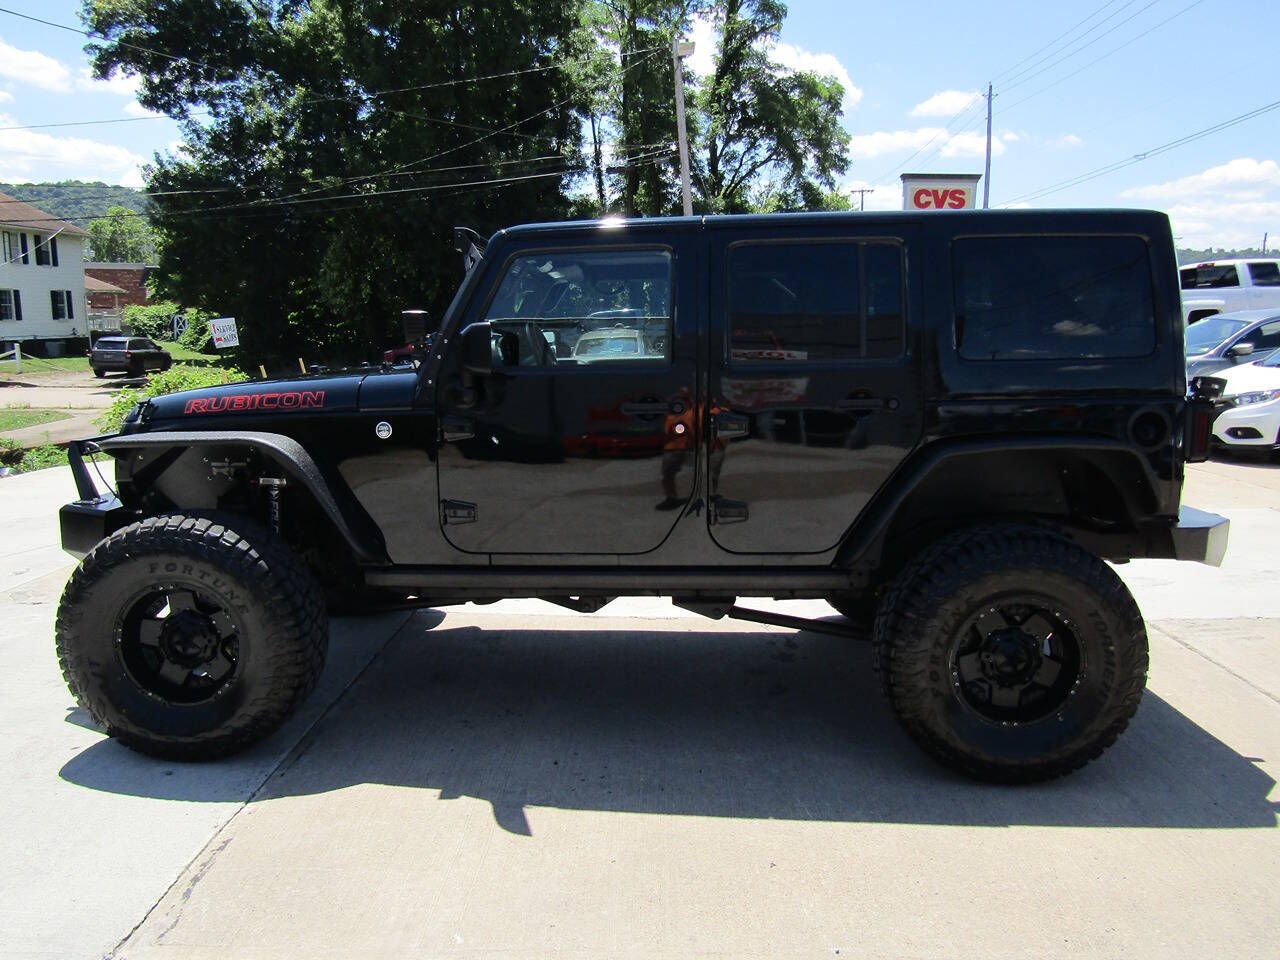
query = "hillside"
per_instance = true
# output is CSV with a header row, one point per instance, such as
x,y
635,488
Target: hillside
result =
x,y
76,199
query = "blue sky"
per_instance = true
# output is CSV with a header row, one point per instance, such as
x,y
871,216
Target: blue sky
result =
x,y
1066,105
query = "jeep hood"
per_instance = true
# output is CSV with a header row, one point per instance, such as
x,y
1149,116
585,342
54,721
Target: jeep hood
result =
x,y
342,393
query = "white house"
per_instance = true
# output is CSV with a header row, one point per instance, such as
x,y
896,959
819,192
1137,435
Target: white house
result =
x,y
42,299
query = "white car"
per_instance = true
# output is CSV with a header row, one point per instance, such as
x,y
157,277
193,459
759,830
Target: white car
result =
x,y
1250,405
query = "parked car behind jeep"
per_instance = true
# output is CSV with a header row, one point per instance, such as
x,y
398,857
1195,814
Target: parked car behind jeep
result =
x,y
130,355
1220,342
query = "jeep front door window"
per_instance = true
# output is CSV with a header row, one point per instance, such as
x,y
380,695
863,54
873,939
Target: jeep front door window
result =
x,y
576,307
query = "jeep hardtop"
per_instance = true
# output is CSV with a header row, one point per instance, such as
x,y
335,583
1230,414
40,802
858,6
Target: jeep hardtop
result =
x,y
946,424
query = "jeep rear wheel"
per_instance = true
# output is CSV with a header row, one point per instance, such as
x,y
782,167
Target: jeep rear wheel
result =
x,y
1011,654
187,641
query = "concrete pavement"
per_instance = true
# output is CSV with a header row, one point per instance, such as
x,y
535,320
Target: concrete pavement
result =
x,y
515,781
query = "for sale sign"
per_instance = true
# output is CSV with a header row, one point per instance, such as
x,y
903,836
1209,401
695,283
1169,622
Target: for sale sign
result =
x,y
933,191
224,332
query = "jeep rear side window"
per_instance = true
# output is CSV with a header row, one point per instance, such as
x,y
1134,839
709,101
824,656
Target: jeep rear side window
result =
x,y
583,307
1208,276
1053,298
816,301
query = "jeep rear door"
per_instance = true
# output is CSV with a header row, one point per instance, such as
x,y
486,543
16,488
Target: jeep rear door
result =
x,y
583,440
815,390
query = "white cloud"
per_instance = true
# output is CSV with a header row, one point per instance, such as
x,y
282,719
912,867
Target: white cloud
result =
x,y
1066,140
121,84
1229,205
34,68
886,196
6,96
946,103
27,155
134,109
705,36
1009,136
799,59
1241,179
868,145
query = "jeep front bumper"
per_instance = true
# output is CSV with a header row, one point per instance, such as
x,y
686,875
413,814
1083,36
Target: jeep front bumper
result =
x,y
1200,536
95,515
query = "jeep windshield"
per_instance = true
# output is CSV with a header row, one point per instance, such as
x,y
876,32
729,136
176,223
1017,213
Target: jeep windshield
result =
x,y
1206,334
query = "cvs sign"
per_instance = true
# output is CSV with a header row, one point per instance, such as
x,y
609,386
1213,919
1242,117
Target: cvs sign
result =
x,y
939,192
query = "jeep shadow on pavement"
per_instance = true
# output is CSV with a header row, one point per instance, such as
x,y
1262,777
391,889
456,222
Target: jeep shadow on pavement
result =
x,y
945,424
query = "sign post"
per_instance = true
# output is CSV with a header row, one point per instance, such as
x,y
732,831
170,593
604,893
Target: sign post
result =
x,y
939,191
224,332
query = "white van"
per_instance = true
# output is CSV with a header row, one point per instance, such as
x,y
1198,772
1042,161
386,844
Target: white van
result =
x,y
1221,286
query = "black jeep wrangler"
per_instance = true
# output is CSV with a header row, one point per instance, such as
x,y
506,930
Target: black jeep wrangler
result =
x,y
945,424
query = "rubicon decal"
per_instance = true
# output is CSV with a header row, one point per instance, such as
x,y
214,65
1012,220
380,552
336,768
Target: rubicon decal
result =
x,y
282,400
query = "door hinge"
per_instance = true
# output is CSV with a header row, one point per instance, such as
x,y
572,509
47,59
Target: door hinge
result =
x,y
457,511
456,428
724,510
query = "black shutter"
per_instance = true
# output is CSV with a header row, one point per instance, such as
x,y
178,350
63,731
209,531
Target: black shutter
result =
x,y
24,247
70,314
55,304
17,305
53,249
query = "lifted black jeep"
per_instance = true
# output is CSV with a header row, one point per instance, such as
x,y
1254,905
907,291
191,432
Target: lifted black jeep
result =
x,y
942,423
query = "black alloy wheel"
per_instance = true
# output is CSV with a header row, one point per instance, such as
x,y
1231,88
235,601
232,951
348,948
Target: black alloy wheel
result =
x,y
1017,662
178,644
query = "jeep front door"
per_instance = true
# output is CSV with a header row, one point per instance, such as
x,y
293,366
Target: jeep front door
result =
x,y
582,440
815,389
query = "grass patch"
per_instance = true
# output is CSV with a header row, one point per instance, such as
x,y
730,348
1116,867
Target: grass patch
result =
x,y
43,367
36,458
16,419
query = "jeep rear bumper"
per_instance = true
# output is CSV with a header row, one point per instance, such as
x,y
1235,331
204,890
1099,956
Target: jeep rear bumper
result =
x,y
1200,536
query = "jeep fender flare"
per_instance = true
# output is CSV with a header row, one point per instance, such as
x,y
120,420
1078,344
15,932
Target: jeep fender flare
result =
x,y
865,539
287,453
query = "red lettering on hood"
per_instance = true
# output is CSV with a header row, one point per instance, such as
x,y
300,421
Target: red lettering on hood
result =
x,y
276,399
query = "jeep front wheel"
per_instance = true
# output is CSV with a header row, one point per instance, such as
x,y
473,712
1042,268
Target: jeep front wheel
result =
x,y
187,641
1011,654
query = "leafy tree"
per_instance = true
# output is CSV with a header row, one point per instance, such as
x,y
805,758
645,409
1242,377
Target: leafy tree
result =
x,y
122,236
76,200
764,124
345,139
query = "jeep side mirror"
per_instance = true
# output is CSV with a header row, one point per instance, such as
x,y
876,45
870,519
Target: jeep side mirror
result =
x,y
1238,350
477,348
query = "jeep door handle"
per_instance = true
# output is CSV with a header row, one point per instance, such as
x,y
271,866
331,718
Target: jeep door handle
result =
x,y
867,404
641,409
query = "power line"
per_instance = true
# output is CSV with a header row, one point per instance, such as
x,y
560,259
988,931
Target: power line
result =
x,y
1146,155
1104,56
1007,71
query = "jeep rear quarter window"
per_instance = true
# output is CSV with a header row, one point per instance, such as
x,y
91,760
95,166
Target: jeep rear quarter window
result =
x,y
815,301
1053,298
549,301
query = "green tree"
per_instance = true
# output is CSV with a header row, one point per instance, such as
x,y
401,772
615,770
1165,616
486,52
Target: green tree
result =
x,y
344,140
764,127
122,236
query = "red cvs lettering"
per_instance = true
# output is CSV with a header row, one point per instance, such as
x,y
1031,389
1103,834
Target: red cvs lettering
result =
x,y
924,199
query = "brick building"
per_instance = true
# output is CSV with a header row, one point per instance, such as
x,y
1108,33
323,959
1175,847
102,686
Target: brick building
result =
x,y
131,278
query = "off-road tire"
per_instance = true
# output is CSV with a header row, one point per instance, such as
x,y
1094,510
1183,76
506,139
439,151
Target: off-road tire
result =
x,y
281,648
924,612
98,372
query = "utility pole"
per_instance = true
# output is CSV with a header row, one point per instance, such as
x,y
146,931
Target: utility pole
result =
x,y
862,197
1264,243
986,179
678,52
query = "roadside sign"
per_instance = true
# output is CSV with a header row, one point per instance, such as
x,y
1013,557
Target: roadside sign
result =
x,y
224,332
937,191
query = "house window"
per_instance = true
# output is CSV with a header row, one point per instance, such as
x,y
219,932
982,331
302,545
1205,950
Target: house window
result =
x,y
43,258
8,309
60,301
